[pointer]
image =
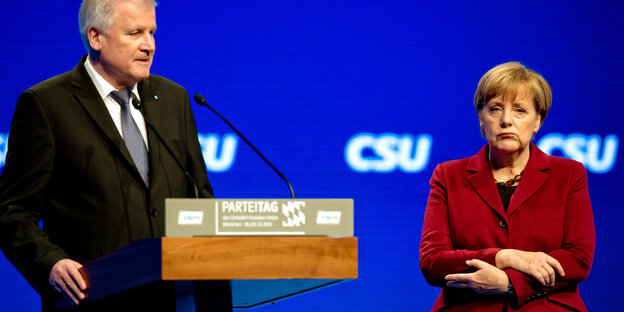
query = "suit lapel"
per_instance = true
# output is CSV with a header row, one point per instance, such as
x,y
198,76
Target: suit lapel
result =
x,y
88,96
150,100
535,174
482,181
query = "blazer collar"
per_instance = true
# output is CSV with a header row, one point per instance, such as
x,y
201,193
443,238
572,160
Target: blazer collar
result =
x,y
150,100
482,180
88,96
534,175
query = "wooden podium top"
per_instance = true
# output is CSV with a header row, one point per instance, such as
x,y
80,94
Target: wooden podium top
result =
x,y
261,269
231,258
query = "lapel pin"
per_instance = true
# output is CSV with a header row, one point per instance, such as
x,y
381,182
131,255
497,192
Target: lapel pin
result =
x,y
155,97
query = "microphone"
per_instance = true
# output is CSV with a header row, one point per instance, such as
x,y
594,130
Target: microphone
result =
x,y
139,107
201,101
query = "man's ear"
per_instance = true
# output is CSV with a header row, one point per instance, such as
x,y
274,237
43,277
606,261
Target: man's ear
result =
x,y
95,38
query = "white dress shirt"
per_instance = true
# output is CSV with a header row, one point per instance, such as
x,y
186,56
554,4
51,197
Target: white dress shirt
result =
x,y
104,89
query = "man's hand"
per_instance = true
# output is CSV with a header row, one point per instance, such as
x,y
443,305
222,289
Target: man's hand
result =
x,y
66,279
538,265
487,280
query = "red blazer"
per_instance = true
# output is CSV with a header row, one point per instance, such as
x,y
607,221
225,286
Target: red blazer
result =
x,y
549,212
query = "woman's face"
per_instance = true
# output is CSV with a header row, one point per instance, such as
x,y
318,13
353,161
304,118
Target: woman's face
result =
x,y
509,124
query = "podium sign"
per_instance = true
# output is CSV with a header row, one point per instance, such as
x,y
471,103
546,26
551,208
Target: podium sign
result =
x,y
258,217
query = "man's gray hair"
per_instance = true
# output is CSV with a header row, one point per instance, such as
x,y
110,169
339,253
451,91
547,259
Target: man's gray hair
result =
x,y
99,14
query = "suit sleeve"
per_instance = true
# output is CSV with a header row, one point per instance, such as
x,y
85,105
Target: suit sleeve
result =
x,y
577,248
23,188
195,162
438,257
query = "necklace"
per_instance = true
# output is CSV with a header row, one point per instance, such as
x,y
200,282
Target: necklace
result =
x,y
511,181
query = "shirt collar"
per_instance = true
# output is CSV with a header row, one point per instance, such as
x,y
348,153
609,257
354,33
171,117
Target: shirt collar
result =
x,y
103,87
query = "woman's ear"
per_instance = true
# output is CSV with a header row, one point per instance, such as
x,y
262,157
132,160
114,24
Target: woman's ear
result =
x,y
538,123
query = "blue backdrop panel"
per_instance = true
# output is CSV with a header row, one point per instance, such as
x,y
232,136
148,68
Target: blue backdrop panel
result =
x,y
359,99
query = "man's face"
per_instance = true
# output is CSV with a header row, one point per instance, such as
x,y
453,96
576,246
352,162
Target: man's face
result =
x,y
127,49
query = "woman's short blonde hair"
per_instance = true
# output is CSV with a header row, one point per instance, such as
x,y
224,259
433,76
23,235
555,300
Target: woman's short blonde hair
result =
x,y
506,79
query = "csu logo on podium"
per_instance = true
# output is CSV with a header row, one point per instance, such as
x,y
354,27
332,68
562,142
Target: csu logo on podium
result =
x,y
294,216
596,154
367,152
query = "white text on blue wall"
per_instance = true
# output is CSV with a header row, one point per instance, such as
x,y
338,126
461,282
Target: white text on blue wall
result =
x,y
386,152
367,152
219,152
598,155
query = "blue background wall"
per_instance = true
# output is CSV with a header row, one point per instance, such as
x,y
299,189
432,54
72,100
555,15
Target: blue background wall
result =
x,y
302,78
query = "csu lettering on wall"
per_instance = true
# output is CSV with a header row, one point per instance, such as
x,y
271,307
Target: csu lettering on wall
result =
x,y
219,151
366,152
596,154
4,138
384,153
387,152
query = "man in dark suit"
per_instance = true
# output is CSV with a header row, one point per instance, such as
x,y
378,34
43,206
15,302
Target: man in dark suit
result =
x,y
83,161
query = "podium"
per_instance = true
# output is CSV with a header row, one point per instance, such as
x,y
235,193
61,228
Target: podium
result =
x,y
221,254
257,269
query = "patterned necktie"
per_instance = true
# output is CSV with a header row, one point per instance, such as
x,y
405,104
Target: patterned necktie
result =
x,y
132,135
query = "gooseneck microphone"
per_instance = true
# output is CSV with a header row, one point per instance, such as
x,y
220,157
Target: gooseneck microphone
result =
x,y
139,107
201,101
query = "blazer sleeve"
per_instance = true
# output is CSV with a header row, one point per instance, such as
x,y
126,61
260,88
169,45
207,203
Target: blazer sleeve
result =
x,y
438,257
577,248
23,187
